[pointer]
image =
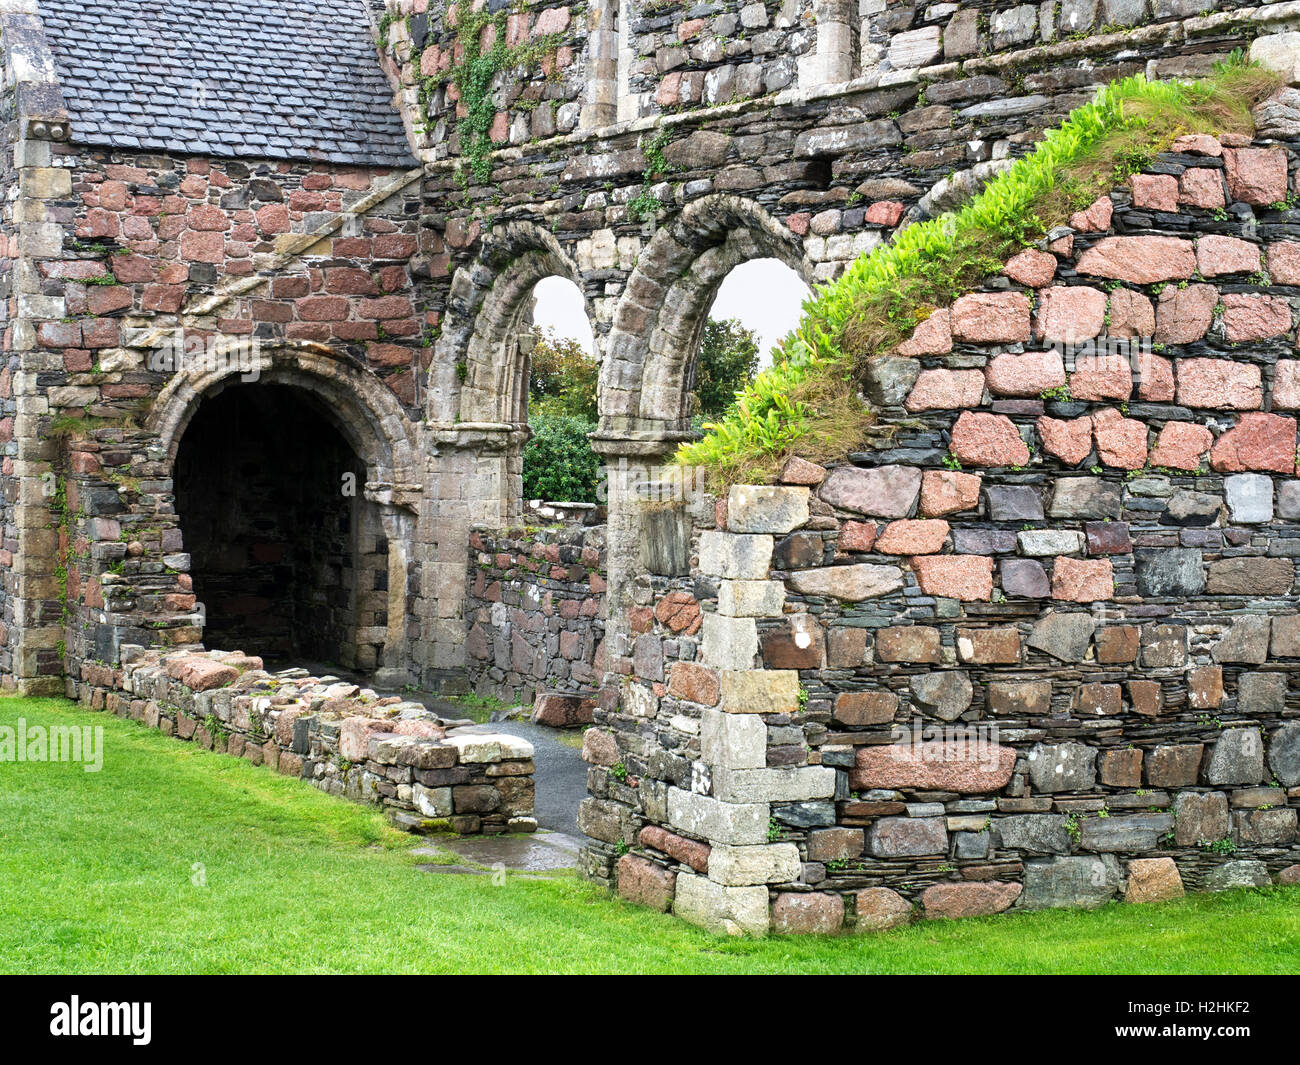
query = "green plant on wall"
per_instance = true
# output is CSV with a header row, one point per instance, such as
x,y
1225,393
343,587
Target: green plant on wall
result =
x,y
474,76
808,400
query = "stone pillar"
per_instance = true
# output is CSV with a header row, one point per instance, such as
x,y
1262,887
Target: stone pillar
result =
x,y
474,480
41,118
730,804
602,104
830,62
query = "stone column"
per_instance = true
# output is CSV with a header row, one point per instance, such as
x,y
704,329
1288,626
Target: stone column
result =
x,y
474,480
41,119
729,803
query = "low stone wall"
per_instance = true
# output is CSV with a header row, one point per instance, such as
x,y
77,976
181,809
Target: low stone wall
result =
x,y
535,611
1040,647
429,774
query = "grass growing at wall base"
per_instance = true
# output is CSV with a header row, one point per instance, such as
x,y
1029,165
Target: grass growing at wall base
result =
x,y
808,403
174,859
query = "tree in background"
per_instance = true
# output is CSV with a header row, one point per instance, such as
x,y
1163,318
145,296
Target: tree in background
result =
x,y
563,379
559,465
728,361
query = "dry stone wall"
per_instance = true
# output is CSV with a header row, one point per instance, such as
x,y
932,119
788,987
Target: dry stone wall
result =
x,y
429,774
1038,649
535,615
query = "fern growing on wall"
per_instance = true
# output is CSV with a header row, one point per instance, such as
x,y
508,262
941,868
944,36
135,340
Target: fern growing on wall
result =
x,y
808,403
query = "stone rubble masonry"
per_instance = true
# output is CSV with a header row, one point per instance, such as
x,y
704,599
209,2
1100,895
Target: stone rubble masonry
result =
x,y
1044,546
401,298
427,773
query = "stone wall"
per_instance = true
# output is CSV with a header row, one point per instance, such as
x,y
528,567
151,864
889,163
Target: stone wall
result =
x,y
1038,649
429,774
535,611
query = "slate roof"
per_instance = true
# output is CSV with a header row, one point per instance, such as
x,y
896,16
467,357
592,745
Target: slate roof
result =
x,y
249,79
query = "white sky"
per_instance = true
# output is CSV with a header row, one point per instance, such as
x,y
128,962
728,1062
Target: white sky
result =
x,y
764,295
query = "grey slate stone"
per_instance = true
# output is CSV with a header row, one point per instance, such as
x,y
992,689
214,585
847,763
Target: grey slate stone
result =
x,y
1284,754
1245,642
1237,758
1132,832
1169,571
1014,502
1037,833
1085,497
1023,578
1083,881
1062,767
1238,874
1261,694
258,79
1063,636
945,694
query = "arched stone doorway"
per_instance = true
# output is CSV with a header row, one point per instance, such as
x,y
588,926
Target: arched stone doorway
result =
x,y
296,495
286,555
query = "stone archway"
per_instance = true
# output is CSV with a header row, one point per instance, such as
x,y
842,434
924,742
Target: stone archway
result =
x,y
342,463
648,373
649,368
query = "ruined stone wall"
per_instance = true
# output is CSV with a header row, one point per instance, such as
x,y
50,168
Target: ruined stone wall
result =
x,y
159,279
1038,649
9,481
429,774
535,612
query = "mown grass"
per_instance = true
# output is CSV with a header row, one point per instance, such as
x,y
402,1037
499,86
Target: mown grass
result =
x,y
807,403
100,872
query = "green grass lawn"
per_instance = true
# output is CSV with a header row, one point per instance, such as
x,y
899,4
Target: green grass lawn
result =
x,y
97,874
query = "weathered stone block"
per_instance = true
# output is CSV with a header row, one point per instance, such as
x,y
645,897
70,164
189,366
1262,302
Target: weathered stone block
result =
x,y
1284,754
760,691
944,694
1153,880
712,819
766,508
883,492
750,599
879,909
899,837
1243,873
853,583
1072,882
1023,698
724,910
1131,832
1057,767
729,643
1174,765
645,883
1237,758
733,741
785,784
1034,833
735,556
807,913
767,863
933,765
835,844
968,900
1200,817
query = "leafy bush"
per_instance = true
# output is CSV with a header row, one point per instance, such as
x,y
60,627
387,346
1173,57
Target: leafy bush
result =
x,y
559,465
884,295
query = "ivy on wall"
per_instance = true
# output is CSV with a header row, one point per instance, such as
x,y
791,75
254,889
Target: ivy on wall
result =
x,y
476,74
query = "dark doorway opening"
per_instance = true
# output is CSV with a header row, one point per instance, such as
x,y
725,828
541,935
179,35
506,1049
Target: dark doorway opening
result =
x,y
286,557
